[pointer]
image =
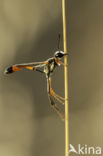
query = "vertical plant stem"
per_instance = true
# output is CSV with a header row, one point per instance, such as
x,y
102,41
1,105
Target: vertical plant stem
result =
x,y
66,80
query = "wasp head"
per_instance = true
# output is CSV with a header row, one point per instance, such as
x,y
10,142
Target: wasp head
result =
x,y
59,54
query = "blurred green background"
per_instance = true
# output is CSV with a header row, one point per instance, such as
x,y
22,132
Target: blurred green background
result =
x,y
28,32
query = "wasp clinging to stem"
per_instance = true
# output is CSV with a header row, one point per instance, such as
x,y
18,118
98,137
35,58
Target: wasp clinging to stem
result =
x,y
46,67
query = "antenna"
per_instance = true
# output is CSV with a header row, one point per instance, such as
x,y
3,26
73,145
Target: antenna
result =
x,y
59,37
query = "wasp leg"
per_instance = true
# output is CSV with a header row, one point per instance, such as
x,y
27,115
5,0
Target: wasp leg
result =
x,y
52,102
56,96
62,63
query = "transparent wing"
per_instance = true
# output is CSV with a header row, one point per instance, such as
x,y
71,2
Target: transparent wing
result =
x,y
33,64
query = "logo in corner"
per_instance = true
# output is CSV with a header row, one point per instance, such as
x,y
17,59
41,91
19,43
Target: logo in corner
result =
x,y
85,150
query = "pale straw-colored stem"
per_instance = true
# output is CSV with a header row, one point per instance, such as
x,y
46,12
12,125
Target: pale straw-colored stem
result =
x,y
65,80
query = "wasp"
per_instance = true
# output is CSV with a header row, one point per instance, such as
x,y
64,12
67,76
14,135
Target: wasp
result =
x,y
46,67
